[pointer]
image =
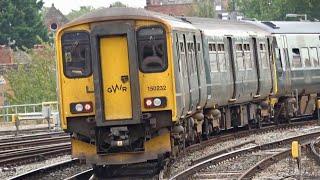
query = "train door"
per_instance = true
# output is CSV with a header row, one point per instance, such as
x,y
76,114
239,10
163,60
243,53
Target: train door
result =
x,y
184,73
200,70
265,70
192,72
256,60
115,79
286,64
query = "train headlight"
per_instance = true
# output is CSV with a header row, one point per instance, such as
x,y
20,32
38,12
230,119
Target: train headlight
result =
x,y
155,102
81,107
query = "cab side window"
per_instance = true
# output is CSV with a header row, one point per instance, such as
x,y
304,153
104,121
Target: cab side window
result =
x,y
152,49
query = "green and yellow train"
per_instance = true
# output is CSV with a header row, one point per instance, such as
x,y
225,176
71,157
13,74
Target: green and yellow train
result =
x,y
136,86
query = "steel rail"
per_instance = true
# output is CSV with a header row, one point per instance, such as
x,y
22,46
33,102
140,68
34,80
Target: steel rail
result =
x,y
314,152
33,153
34,142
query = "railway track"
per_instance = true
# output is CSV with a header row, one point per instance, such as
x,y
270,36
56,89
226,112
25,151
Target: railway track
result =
x,y
85,173
62,170
268,153
16,144
24,131
32,154
25,149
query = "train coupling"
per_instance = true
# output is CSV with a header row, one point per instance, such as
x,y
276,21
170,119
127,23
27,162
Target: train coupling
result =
x,y
119,136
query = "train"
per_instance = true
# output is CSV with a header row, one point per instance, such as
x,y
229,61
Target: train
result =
x,y
139,86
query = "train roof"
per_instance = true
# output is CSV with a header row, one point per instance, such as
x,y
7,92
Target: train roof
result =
x,y
289,27
225,27
104,14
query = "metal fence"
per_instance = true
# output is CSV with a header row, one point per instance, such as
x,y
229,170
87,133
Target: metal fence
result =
x,y
7,112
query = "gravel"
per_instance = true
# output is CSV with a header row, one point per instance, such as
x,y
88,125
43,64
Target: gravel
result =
x,y
287,168
260,138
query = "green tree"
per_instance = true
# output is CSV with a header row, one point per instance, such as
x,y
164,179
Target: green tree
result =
x,y
117,4
21,23
203,8
77,13
277,9
34,82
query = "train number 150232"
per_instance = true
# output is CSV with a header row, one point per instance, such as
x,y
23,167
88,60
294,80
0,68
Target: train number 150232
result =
x,y
157,88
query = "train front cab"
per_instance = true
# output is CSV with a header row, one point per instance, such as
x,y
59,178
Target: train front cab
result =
x,y
116,90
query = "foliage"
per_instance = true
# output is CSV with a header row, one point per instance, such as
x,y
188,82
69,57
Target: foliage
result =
x,y
34,82
277,9
77,13
117,4
21,23
203,8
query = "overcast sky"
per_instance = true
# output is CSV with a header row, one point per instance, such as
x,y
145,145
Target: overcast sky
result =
x,y
65,6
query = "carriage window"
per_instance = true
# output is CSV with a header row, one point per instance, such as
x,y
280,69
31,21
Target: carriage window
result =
x,y
76,54
305,57
240,56
213,58
296,58
191,55
247,56
263,56
152,48
212,47
314,56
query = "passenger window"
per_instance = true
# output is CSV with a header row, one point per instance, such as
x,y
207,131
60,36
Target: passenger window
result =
x,y
76,54
152,48
247,56
213,57
221,57
305,57
191,55
296,58
314,56
239,55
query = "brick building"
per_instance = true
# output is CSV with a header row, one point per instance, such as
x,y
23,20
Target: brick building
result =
x,y
6,55
185,7
54,17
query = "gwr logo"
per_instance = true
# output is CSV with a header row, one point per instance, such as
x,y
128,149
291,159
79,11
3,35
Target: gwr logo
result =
x,y
115,88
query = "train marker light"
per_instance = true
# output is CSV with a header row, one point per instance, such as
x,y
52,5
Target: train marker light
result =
x,y
87,107
149,102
